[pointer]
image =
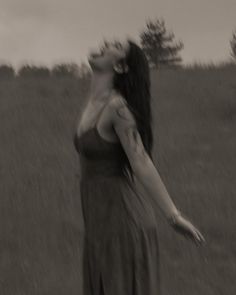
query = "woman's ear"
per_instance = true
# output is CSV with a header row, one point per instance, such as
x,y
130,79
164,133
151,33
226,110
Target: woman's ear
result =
x,y
120,69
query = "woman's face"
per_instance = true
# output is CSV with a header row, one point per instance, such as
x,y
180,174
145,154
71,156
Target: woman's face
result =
x,y
103,60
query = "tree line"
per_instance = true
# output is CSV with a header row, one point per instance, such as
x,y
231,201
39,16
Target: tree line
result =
x,y
157,42
33,71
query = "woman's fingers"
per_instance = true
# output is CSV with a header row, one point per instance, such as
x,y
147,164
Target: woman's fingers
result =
x,y
194,234
186,228
200,236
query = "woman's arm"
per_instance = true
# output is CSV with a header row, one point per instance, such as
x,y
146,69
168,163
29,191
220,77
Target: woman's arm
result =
x,y
145,171
142,166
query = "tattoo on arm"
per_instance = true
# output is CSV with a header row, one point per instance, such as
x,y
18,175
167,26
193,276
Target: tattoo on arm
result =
x,y
131,132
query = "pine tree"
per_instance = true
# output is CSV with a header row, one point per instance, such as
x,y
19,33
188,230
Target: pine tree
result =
x,y
159,45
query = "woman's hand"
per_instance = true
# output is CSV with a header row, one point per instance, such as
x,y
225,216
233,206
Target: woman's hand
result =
x,y
183,226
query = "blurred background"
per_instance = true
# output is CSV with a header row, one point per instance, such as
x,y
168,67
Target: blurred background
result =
x,y
44,80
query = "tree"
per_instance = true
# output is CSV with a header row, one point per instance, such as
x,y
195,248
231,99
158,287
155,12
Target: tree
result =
x,y
32,71
159,45
233,45
69,70
6,72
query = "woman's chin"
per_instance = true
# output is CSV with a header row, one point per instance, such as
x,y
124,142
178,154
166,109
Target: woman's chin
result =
x,y
91,61
92,58
93,65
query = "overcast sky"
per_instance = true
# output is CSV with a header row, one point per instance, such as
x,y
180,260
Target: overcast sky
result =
x,y
51,31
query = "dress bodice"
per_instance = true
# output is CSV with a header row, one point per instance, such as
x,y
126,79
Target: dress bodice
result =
x,y
98,156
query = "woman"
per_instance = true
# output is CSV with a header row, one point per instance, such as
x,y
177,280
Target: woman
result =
x,y
114,142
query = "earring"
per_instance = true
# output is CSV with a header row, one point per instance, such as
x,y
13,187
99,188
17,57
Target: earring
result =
x,y
118,68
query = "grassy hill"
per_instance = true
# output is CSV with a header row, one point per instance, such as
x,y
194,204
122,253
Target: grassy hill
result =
x,y
41,227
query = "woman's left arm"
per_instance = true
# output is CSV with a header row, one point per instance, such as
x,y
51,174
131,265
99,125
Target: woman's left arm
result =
x,y
145,171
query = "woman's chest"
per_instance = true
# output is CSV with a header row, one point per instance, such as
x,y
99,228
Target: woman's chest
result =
x,y
88,118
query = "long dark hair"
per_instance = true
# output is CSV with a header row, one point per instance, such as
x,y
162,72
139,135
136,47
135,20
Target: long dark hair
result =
x,y
134,86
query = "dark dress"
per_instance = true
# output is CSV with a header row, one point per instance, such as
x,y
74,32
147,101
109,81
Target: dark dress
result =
x,y
121,249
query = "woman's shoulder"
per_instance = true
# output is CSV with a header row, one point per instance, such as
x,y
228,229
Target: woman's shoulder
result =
x,y
120,109
118,100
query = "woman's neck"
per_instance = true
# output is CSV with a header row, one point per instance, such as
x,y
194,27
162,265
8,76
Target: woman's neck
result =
x,y
101,85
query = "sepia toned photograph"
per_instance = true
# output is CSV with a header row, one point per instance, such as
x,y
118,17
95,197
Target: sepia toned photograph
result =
x,y
117,147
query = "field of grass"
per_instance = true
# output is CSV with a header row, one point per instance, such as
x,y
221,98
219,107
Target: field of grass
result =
x,y
194,113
